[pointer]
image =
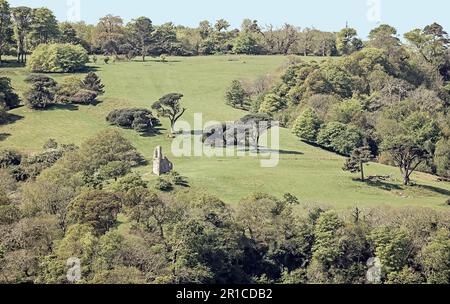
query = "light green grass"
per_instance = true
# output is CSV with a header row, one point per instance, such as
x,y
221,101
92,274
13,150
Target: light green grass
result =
x,y
312,174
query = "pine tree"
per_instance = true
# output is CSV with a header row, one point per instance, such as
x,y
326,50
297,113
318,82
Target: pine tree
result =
x,y
307,126
93,83
358,158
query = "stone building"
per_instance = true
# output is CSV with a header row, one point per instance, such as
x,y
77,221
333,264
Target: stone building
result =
x,y
161,165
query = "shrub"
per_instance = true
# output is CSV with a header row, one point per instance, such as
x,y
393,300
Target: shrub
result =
x,y
93,83
140,120
42,92
9,158
58,58
8,98
73,90
163,184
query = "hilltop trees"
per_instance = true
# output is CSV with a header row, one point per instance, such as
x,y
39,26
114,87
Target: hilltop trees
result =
x,y
169,106
22,23
347,41
140,31
6,30
43,27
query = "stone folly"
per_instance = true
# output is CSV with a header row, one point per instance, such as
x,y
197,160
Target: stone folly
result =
x,y
161,165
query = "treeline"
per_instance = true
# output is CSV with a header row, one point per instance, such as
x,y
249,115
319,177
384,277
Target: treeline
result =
x,y
388,101
68,203
23,29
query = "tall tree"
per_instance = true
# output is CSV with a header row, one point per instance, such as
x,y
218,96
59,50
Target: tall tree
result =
x,y
347,41
44,27
357,159
169,106
140,31
109,34
221,25
6,31
68,33
22,23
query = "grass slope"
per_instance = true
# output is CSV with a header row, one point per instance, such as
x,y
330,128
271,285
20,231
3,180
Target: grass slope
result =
x,y
310,173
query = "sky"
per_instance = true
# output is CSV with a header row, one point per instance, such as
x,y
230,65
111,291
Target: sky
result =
x,y
329,15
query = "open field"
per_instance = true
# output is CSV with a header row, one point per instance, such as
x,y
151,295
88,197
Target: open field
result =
x,y
310,173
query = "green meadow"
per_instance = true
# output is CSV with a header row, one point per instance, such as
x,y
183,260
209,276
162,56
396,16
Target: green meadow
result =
x,y
312,174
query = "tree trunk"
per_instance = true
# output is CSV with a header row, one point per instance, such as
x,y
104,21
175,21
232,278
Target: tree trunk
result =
x,y
362,171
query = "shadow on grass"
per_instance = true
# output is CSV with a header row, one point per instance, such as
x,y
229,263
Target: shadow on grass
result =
x,y
4,136
12,118
161,61
63,106
153,132
384,185
380,184
433,189
11,64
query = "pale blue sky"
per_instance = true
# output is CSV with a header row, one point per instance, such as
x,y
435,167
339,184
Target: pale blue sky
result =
x,y
322,14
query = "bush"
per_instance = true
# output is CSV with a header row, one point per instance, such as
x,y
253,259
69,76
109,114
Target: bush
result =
x,y
58,58
93,83
9,158
140,120
42,92
8,98
163,184
72,90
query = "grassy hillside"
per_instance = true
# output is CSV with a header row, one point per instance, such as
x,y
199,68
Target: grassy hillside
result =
x,y
310,173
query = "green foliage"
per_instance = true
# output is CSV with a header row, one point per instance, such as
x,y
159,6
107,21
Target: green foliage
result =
x,y
128,182
141,120
58,58
72,90
435,257
246,43
340,138
442,157
42,92
347,41
307,126
169,106
406,276
358,158
271,104
393,247
93,83
236,95
44,27
9,158
95,208
8,98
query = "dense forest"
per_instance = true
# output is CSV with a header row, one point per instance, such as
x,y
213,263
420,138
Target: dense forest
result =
x,y
383,99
